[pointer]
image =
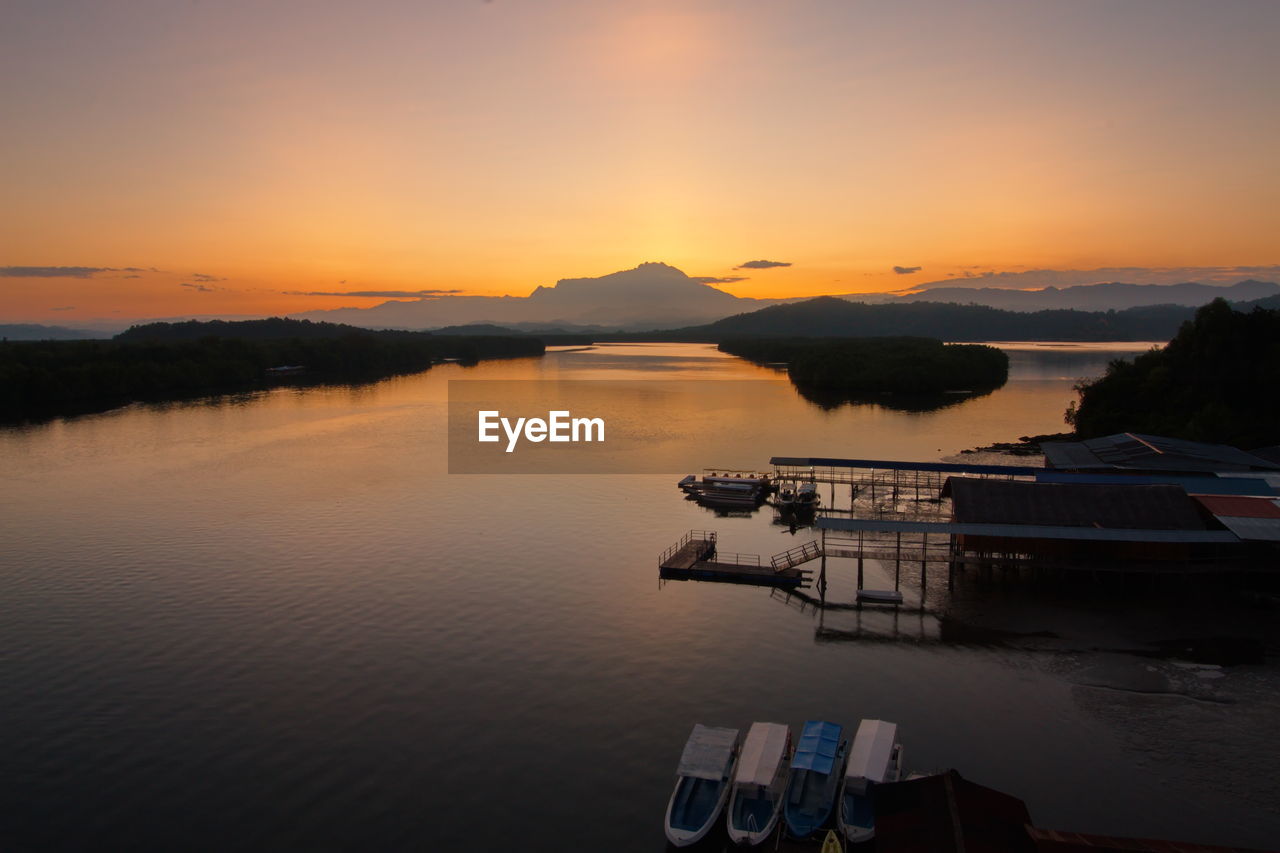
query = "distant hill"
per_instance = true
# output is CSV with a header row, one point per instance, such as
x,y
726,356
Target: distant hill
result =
x,y
1097,297
168,361
36,332
271,328
829,316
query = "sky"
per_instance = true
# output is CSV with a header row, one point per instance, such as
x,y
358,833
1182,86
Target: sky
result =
x,y
199,157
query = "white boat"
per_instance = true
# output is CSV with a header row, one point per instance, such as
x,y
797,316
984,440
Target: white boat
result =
x,y
875,758
760,783
702,785
807,496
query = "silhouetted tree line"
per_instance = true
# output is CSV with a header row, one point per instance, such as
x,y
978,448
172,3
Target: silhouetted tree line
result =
x,y
1215,381
860,366
172,360
832,317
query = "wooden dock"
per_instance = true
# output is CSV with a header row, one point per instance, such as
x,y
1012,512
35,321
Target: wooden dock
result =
x,y
695,557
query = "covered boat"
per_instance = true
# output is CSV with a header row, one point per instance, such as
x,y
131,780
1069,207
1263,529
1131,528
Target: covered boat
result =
x,y
702,786
876,757
760,783
815,777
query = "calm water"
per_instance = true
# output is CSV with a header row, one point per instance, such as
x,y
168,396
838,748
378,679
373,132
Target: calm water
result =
x,y
275,622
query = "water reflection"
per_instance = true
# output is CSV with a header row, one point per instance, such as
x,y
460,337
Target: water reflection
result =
x,y
290,594
828,400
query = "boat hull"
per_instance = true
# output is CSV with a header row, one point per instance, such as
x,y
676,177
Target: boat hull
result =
x,y
751,837
694,806
811,796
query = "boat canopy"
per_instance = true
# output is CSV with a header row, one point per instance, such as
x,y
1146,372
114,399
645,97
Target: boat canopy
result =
x,y
817,748
872,751
762,752
708,752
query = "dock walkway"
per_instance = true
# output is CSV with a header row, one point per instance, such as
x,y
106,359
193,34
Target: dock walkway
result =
x,y
694,557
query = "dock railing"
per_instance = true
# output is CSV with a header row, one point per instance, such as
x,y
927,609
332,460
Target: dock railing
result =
x,y
795,556
738,559
691,536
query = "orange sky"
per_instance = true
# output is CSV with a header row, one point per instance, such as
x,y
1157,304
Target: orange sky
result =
x,y
491,147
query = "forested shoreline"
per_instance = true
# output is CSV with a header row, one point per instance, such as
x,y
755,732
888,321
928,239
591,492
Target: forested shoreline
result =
x,y
1215,382
856,367
164,361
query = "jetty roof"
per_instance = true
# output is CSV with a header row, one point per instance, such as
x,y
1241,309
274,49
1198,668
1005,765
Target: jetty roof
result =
x,y
892,465
1156,506
1140,452
1024,531
1192,484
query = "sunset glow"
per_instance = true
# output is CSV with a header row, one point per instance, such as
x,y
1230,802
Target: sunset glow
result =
x,y
226,158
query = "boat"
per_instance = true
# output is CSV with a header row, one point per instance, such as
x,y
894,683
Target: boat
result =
x,y
815,777
831,844
702,785
760,783
688,483
807,496
786,496
875,758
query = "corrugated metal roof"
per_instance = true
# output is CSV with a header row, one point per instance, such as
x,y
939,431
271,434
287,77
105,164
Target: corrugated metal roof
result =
x,y
1151,453
1025,531
1194,485
890,465
1145,507
1253,529
1241,507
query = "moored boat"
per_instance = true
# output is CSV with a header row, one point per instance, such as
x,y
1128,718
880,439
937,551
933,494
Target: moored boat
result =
x,y
760,783
875,758
702,787
807,496
815,777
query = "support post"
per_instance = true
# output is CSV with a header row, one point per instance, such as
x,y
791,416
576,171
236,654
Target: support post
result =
x,y
897,563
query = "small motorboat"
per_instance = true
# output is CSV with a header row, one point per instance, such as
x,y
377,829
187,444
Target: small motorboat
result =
x,y
807,496
786,496
760,783
702,787
815,777
875,758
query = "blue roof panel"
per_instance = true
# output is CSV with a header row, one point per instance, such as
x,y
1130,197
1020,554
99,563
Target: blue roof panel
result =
x,y
817,748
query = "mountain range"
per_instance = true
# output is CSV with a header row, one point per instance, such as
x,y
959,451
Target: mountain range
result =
x,y
659,296
653,295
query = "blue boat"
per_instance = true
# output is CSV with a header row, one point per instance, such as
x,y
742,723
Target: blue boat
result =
x,y
816,772
702,784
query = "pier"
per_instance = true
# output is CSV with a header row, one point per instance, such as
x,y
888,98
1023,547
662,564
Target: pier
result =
x,y
911,518
695,557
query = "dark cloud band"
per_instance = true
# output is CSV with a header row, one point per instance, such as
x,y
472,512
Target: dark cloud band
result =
x,y
762,265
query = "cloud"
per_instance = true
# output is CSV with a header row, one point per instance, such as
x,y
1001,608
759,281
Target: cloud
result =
x,y
762,265
199,276
373,294
69,272
199,287
710,279
51,272
907,270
